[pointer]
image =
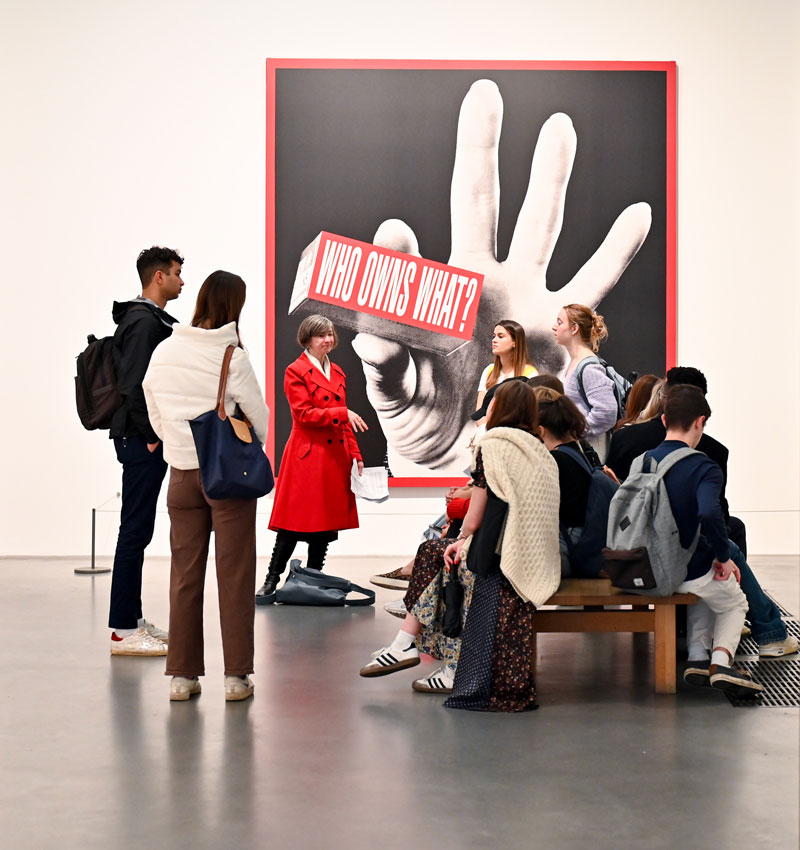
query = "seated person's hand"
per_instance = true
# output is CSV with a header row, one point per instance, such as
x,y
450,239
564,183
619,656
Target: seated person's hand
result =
x,y
723,570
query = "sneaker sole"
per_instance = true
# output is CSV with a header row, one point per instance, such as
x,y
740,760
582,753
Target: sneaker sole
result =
x,y
697,678
390,583
399,614
736,687
427,689
142,653
183,696
238,697
775,653
372,672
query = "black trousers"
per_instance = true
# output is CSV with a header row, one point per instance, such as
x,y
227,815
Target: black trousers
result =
x,y
142,474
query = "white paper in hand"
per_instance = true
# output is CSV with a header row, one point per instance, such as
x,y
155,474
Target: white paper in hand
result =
x,y
372,485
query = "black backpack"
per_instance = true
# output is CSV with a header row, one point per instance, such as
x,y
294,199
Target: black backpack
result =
x,y
622,386
586,555
96,394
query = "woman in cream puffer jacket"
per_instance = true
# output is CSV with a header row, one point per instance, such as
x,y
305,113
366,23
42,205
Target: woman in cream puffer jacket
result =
x,y
181,383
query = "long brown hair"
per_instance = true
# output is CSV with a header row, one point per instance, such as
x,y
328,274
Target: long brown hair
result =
x,y
521,359
515,406
638,399
219,301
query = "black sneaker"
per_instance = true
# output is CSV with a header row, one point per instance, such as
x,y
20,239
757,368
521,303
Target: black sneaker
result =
x,y
696,673
737,683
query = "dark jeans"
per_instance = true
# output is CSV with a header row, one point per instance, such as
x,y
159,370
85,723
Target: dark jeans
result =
x,y
763,614
142,474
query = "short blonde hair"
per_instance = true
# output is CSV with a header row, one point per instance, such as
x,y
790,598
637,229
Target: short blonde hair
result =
x,y
316,325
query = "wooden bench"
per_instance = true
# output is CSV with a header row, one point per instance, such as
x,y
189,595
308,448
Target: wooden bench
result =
x,y
598,602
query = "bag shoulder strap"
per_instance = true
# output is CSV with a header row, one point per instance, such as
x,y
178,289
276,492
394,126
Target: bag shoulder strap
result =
x,y
576,456
223,380
368,594
587,361
327,580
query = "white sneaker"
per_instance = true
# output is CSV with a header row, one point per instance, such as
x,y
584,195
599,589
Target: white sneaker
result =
x,y
389,659
181,688
141,642
778,648
238,688
439,682
396,608
154,630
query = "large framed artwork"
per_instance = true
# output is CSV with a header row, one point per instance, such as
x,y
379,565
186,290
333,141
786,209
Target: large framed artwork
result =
x,y
418,203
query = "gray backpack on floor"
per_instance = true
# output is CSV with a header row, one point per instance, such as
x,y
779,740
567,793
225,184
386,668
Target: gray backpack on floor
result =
x,y
644,552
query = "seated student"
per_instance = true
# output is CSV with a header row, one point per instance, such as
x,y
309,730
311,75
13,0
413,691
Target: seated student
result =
x,y
693,487
638,399
630,442
768,629
562,424
521,524
554,383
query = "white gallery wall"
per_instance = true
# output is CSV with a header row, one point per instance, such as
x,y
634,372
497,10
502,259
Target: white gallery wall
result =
x,y
128,124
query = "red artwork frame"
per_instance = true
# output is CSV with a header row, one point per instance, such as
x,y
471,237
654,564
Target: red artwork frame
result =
x,y
272,65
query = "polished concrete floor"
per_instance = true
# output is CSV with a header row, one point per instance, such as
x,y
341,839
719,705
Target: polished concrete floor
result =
x,y
93,754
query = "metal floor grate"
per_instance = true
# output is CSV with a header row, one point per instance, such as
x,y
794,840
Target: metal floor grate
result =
x,y
747,646
780,678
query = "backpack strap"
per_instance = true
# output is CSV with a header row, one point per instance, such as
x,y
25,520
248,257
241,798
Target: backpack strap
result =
x,y
663,467
577,456
587,361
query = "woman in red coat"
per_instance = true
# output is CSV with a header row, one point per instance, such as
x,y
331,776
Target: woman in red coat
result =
x,y
313,499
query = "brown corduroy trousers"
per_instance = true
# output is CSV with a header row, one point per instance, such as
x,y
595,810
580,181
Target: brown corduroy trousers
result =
x,y
193,516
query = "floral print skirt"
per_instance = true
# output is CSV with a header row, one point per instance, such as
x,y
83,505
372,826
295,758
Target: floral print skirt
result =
x,y
423,600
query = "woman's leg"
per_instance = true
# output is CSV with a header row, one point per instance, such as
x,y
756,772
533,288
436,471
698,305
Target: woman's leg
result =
x,y
190,530
317,550
235,545
285,542
402,652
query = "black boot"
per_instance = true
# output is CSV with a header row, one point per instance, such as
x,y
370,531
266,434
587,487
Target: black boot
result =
x,y
284,546
317,550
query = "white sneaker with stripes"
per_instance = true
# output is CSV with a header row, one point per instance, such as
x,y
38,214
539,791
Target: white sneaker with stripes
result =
x,y
390,659
439,682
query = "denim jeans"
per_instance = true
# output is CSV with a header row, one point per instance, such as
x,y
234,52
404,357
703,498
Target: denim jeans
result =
x,y
763,614
142,474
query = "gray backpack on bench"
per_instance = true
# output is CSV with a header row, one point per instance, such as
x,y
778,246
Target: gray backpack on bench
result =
x,y
644,552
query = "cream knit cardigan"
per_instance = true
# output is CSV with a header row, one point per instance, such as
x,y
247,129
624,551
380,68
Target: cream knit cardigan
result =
x,y
520,471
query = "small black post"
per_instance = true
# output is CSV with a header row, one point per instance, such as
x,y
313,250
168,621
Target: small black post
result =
x,y
92,571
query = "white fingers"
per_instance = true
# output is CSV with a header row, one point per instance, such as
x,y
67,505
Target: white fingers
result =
x,y
475,191
396,235
603,269
542,213
390,373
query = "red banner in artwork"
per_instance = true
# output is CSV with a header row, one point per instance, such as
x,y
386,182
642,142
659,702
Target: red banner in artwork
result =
x,y
390,286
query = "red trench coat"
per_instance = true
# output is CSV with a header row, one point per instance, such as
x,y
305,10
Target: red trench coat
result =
x,y
313,491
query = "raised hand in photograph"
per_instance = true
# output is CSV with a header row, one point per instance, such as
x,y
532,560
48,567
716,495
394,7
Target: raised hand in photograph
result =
x,y
424,400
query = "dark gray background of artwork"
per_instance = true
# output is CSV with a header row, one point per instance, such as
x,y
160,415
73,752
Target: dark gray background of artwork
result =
x,y
355,147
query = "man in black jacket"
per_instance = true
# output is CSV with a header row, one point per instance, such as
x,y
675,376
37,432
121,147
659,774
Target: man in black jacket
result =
x,y
141,325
